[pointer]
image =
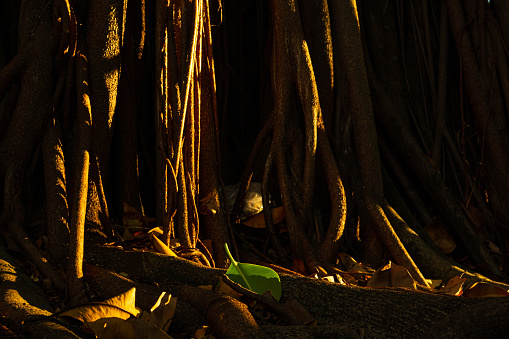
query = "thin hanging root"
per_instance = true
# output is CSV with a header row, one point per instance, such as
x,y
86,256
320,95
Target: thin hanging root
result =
x,y
183,215
164,201
206,253
273,237
190,77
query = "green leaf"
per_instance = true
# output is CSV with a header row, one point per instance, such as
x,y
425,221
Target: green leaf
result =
x,y
258,279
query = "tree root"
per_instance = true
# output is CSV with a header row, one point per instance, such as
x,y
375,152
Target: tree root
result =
x,y
406,313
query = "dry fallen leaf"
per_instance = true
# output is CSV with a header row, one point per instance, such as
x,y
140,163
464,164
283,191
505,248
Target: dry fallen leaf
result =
x,y
454,286
392,275
482,289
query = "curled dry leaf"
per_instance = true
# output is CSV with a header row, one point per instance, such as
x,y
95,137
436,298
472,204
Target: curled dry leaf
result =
x,y
121,306
161,247
125,301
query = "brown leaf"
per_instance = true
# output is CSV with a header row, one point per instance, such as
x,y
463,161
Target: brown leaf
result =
x,y
258,220
400,277
441,237
482,289
392,275
454,286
